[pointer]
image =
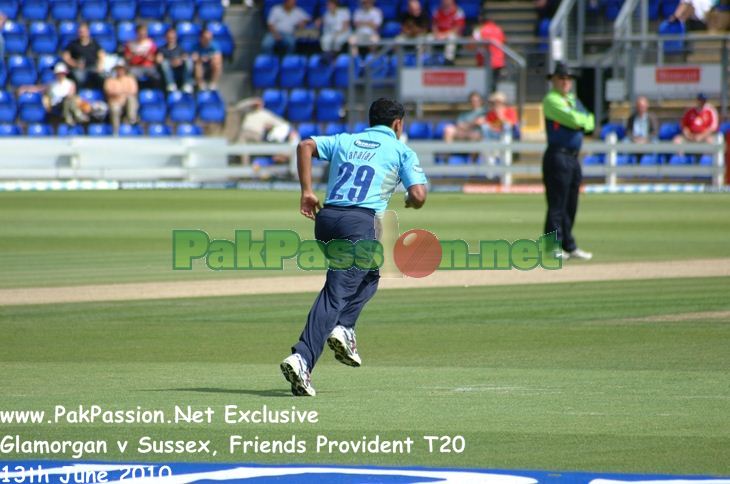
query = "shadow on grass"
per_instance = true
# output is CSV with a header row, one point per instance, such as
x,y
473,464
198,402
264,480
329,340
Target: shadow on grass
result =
x,y
278,392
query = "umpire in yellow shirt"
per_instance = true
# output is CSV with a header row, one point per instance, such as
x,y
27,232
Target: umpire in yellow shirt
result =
x,y
565,121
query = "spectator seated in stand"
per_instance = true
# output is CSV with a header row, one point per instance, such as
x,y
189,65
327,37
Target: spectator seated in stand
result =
x,y
467,127
367,20
335,28
59,98
208,62
448,22
414,21
121,93
699,123
692,10
176,66
283,22
499,119
85,58
141,57
642,126
259,125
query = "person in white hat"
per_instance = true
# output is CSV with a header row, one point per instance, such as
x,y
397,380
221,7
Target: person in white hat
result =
x,y
59,97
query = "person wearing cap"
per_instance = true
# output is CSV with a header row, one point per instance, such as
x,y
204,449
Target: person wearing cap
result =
x,y
59,97
121,94
566,119
699,123
499,118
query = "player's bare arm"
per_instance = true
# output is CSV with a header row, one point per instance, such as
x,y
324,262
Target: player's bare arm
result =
x,y
416,196
309,203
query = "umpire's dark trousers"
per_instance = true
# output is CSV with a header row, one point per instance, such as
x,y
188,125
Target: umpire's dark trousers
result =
x,y
345,292
561,175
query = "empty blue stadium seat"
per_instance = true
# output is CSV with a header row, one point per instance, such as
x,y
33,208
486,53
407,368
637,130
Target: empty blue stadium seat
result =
x,y
309,6
64,9
3,72
654,9
104,35
66,130
94,9
123,9
471,8
181,107
360,127
458,159
724,127
307,130
30,107
9,130
152,106
611,8
669,130
67,31
151,9
680,160
390,29
438,129
43,38
672,28
211,108
210,10
187,129
158,129
668,7
389,8
99,129
301,106
46,63
275,100
180,10
594,159
265,71
706,160
34,9
156,30
331,129
187,35
129,130
293,70
260,161
9,8
125,31
342,70
16,38
21,71
613,128
624,159
650,159
91,95
39,129
8,107
222,36
319,72
419,130
378,67
329,105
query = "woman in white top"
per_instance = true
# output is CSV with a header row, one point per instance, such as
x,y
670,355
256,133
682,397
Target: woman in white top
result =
x,y
335,27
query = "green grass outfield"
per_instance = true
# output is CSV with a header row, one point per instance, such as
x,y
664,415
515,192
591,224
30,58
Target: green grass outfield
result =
x,y
552,376
62,238
534,377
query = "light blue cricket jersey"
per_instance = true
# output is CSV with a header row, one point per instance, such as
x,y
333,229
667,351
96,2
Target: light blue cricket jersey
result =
x,y
366,167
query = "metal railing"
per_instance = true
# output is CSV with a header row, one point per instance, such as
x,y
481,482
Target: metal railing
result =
x,y
566,33
193,160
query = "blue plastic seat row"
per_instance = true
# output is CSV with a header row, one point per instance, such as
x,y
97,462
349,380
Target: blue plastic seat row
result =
x,y
99,129
91,10
301,105
178,107
46,38
650,159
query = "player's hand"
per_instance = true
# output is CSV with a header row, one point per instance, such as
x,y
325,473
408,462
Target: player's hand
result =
x,y
309,205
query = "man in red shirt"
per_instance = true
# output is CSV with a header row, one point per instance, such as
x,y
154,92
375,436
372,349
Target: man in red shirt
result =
x,y
448,24
141,56
699,123
499,118
491,31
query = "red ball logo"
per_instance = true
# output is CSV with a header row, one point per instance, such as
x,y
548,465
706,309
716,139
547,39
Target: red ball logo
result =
x,y
417,253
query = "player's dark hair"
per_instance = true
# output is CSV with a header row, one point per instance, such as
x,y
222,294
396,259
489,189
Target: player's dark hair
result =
x,y
384,111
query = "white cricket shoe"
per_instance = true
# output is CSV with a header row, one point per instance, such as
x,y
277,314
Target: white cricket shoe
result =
x,y
342,342
294,369
581,255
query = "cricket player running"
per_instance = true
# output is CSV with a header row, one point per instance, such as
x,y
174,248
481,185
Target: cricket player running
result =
x,y
365,169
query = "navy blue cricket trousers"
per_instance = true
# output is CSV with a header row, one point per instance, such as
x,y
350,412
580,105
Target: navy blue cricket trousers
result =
x,y
345,292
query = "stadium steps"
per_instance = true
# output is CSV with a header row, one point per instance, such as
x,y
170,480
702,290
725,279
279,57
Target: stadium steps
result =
x,y
245,26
